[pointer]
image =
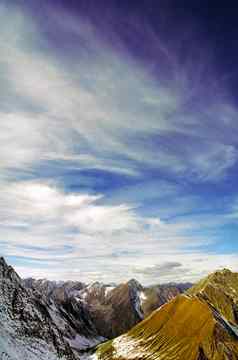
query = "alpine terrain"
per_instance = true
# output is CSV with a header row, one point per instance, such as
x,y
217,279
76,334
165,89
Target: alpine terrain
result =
x,y
41,319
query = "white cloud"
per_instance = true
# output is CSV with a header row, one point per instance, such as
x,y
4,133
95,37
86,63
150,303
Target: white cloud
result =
x,y
78,234
216,162
29,200
153,269
184,267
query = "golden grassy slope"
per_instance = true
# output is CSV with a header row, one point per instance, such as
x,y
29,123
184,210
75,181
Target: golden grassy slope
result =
x,y
187,328
221,290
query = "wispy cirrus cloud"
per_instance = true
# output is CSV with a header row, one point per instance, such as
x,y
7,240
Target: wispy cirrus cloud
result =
x,y
105,107
142,135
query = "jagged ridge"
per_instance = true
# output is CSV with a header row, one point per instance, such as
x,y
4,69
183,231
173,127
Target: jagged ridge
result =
x,y
200,325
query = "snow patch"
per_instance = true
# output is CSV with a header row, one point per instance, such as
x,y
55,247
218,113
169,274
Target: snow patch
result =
x,y
108,289
30,349
142,297
81,342
89,357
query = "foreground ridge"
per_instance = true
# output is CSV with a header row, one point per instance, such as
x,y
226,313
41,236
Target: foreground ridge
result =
x,y
199,325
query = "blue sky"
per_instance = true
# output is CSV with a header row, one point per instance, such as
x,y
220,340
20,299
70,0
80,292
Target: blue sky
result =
x,y
118,138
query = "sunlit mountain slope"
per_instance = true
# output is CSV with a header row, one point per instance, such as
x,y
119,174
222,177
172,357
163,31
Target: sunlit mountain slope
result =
x,y
199,325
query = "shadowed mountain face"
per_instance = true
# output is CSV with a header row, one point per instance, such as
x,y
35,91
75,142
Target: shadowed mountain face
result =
x,y
39,326
59,291
199,325
156,296
26,324
112,310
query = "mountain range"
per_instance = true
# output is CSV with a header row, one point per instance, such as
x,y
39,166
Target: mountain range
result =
x,y
105,310
42,319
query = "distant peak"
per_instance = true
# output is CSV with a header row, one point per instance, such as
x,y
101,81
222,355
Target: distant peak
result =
x,y
6,271
220,273
3,266
134,283
223,278
96,284
223,271
2,261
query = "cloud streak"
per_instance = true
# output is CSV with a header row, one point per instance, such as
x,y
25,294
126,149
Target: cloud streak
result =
x,y
82,235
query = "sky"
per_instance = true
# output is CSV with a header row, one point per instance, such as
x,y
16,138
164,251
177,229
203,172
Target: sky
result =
x,y
118,135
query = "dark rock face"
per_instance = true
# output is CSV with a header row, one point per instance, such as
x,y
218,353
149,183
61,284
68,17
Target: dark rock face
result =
x,y
59,291
119,310
201,355
76,314
157,295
